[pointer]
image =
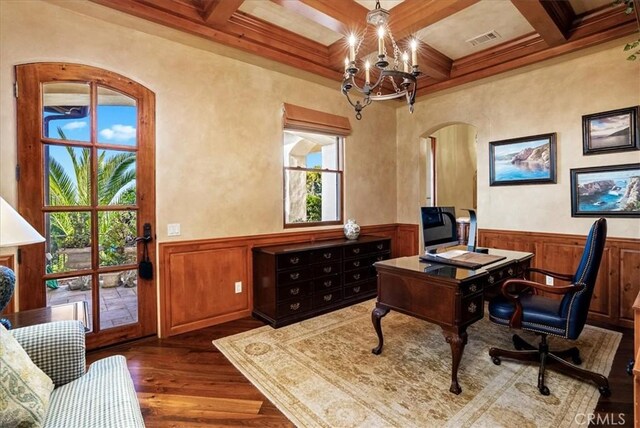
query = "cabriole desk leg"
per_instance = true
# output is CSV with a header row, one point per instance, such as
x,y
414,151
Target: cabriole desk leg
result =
x,y
376,315
456,338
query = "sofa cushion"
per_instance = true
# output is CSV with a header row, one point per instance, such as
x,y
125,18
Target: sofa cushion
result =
x,y
104,397
25,390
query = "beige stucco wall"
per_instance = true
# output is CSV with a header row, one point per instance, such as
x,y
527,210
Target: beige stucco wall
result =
x,y
549,97
456,167
218,119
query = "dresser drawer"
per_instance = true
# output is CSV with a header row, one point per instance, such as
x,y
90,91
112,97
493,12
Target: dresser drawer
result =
x,y
327,298
326,255
296,290
352,264
285,261
376,247
355,290
293,306
294,275
326,269
359,275
356,250
326,283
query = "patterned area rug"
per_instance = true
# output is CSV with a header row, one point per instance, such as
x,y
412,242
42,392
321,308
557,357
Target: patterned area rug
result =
x,y
321,373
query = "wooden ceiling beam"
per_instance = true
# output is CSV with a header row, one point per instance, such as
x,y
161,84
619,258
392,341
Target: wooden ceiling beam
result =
x,y
551,19
218,12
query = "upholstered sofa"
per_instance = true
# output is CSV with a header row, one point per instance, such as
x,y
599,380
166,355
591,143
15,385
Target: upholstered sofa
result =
x,y
103,396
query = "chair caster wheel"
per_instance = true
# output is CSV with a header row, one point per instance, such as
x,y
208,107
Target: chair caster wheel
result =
x,y
604,391
496,360
544,390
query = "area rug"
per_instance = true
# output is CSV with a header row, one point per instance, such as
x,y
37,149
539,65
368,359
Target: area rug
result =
x,y
321,373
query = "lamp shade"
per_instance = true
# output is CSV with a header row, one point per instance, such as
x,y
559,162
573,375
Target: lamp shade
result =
x,y
14,230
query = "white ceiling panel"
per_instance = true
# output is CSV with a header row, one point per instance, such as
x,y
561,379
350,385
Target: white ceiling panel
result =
x,y
385,4
582,6
278,15
450,35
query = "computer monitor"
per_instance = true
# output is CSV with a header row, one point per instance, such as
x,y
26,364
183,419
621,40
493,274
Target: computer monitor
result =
x,y
439,228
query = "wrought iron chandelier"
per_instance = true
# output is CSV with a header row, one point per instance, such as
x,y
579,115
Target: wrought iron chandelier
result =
x,y
403,82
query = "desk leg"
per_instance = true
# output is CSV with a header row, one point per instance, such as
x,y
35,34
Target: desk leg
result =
x,y
376,315
456,338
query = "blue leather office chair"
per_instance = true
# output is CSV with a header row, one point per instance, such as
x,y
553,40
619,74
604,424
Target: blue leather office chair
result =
x,y
520,307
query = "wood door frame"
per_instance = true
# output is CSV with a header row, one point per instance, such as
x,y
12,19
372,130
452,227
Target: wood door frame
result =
x,y
29,78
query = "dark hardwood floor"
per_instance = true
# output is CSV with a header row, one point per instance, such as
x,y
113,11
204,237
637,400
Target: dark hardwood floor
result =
x,y
184,381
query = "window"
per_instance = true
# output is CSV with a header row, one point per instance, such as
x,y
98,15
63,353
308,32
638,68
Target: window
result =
x,y
312,178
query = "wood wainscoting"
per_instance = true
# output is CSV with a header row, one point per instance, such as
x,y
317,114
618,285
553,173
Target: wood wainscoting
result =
x,y
618,281
197,278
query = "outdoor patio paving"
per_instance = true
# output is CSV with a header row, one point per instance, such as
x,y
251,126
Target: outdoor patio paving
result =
x,y
118,305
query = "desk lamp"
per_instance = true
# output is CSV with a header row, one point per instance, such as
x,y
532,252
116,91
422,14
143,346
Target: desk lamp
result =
x,y
14,231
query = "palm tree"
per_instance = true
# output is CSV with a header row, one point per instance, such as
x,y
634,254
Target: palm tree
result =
x,y
116,186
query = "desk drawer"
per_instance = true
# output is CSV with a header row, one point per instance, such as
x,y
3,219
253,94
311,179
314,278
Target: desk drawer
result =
x,y
472,308
327,298
293,275
293,306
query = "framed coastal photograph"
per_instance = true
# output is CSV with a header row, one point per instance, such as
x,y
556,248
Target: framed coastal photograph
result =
x,y
611,131
606,191
526,160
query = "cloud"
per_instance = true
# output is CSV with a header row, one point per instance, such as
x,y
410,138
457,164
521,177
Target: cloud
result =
x,y
74,125
119,133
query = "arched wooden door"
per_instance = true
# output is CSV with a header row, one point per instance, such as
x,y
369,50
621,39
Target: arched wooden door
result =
x,y
86,168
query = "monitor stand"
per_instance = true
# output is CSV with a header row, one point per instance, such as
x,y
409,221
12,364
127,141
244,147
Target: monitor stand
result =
x,y
473,230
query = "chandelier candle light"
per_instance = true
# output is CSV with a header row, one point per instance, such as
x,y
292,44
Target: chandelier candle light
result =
x,y
404,82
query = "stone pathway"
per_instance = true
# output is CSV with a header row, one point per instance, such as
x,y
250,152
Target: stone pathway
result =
x,y
118,305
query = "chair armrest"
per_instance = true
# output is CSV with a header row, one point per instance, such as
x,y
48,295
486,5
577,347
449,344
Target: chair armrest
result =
x,y
57,348
563,276
516,318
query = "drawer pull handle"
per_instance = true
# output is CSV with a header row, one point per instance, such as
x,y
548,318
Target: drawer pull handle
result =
x,y
294,306
357,263
510,271
327,283
491,279
328,297
356,289
356,276
472,308
294,275
379,246
294,260
327,255
356,251
294,291
379,258
327,269
473,288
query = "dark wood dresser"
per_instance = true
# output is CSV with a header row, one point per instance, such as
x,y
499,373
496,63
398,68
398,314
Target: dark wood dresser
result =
x,y
293,282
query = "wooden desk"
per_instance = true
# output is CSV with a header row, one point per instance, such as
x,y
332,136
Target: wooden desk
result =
x,y
449,296
66,311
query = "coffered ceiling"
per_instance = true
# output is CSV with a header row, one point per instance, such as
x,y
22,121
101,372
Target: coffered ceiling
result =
x,y
311,34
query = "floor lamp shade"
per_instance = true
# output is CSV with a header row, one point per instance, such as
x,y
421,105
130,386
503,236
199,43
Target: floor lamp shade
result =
x,y
14,231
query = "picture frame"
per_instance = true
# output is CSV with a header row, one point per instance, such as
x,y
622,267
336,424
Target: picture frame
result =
x,y
606,191
523,160
611,131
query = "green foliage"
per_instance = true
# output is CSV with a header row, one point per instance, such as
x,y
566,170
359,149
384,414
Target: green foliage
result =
x,y
314,196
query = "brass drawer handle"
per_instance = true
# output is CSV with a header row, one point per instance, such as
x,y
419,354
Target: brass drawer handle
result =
x,y
356,276
473,288
472,308
356,289
327,283
380,246
328,297
327,269
294,291
294,306
379,258
294,275
327,255
491,279
510,271
294,260
356,250
356,263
